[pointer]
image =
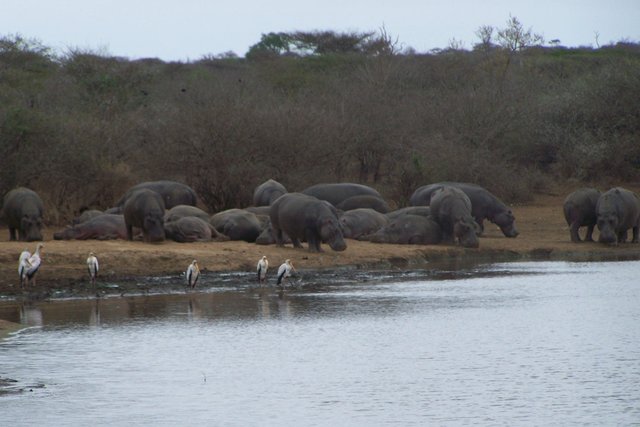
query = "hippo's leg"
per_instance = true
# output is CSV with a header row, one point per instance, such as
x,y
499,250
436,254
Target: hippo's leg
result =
x,y
635,234
589,236
622,236
574,230
12,233
480,222
277,233
313,240
129,232
296,242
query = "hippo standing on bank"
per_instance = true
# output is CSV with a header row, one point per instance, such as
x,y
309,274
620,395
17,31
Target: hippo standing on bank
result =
x,y
339,192
359,222
484,205
304,217
408,230
617,211
145,209
22,210
580,211
267,193
451,208
237,224
172,193
103,227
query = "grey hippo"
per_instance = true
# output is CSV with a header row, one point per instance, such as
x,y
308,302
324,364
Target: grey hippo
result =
x,y
22,210
580,211
304,217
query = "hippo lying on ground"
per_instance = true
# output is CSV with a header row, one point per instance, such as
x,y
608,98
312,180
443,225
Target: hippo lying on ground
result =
x,y
359,222
617,211
22,210
362,202
145,209
86,215
267,193
237,224
339,192
103,227
192,229
408,230
182,211
484,205
580,211
410,210
304,217
451,208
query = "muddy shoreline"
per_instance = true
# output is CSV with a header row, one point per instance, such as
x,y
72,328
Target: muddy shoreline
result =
x,y
136,267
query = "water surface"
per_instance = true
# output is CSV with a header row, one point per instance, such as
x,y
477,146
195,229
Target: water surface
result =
x,y
509,344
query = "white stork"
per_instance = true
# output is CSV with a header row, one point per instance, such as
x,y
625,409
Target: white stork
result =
x,y
285,271
93,266
28,265
193,274
262,267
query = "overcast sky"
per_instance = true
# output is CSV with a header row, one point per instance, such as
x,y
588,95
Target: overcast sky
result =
x,y
184,30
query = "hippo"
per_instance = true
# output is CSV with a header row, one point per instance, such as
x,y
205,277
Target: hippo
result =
x,y
451,208
484,205
301,216
339,192
364,201
359,222
268,237
408,229
617,211
237,224
103,227
22,210
267,193
145,209
172,193
86,215
410,210
192,229
259,210
580,211
181,211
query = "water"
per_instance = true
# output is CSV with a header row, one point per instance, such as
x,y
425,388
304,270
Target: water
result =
x,y
509,344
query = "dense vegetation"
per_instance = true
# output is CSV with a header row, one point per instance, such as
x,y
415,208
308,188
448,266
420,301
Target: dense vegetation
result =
x,y
83,127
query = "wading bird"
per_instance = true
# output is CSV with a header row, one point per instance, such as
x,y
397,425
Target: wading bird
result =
x,y
93,266
193,274
262,267
285,271
28,265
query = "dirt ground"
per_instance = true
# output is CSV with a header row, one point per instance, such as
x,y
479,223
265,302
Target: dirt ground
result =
x,y
543,235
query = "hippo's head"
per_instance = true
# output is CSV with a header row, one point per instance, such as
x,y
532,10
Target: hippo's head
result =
x,y
466,231
608,224
506,221
153,227
346,224
331,234
31,227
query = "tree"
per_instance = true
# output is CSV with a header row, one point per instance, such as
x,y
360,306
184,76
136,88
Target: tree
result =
x,y
515,38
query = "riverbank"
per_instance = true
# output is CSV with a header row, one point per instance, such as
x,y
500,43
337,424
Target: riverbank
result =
x,y
543,235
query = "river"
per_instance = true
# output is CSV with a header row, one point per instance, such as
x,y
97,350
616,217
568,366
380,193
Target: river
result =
x,y
541,343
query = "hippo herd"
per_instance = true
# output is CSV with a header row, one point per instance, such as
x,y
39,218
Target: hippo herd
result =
x,y
445,212
614,212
